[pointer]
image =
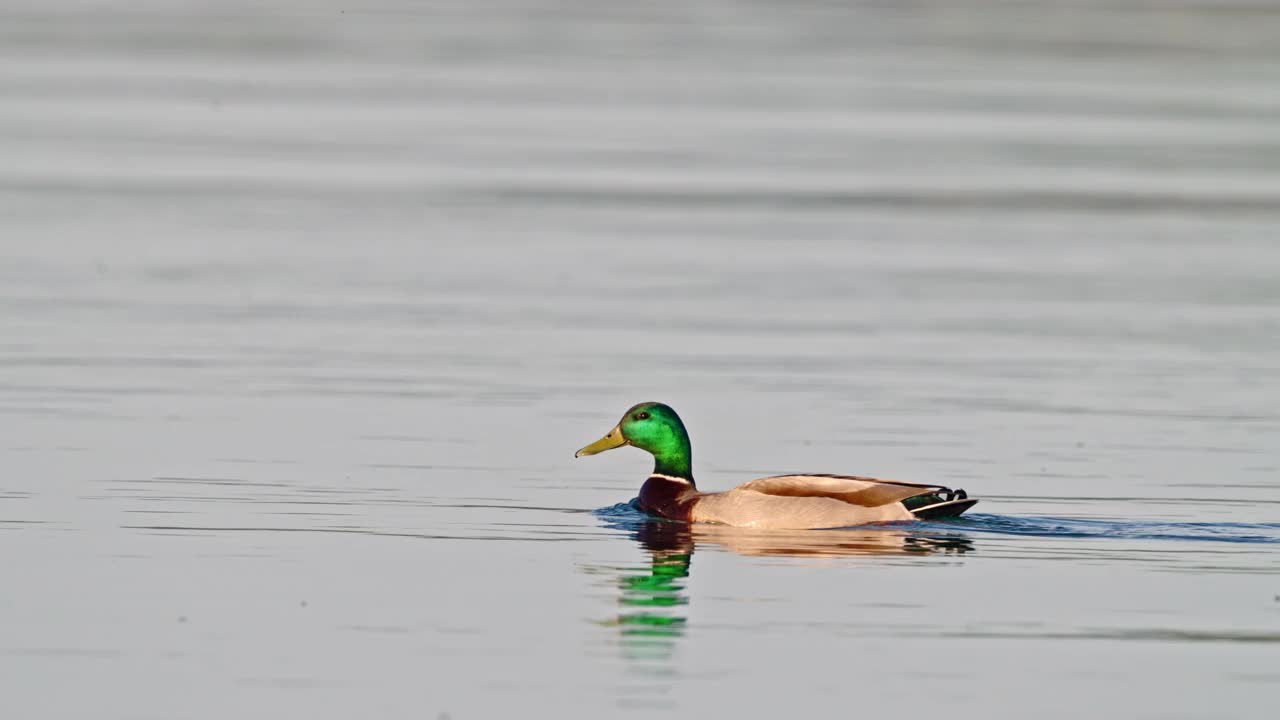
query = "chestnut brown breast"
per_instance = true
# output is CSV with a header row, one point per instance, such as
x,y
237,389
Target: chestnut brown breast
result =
x,y
669,497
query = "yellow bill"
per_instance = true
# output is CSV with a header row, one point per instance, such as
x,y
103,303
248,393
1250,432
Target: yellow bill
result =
x,y
613,440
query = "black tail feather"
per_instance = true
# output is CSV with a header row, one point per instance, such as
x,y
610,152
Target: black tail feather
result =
x,y
946,508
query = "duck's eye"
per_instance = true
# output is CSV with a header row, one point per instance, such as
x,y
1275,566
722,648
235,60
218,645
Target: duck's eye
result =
x,y
642,416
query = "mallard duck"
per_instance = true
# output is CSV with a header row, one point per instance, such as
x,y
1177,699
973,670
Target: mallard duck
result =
x,y
792,502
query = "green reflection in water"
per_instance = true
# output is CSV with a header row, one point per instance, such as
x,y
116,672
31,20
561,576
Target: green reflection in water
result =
x,y
650,630
653,602
661,588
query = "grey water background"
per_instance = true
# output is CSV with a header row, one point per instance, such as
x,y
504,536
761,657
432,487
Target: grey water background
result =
x,y
305,308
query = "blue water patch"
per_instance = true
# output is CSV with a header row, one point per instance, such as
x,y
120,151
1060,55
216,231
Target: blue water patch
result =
x,y
623,511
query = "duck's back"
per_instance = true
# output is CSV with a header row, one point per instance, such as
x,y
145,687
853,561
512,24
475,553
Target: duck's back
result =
x,y
809,501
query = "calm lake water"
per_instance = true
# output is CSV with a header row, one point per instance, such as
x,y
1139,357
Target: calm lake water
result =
x,y
304,311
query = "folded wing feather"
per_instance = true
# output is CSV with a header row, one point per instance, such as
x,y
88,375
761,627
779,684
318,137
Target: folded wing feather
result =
x,y
866,492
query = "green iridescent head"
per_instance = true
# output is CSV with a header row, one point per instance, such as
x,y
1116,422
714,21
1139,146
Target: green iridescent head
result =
x,y
656,429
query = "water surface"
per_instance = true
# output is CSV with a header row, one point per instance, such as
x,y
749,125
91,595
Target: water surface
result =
x,y
303,312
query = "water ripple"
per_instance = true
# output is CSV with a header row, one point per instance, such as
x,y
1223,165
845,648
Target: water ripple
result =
x,y
1058,527
627,515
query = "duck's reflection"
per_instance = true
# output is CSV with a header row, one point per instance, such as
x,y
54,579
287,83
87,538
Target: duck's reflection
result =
x,y
651,618
653,602
661,537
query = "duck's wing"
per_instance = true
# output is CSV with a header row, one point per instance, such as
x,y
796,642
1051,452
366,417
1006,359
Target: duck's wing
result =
x,y
851,489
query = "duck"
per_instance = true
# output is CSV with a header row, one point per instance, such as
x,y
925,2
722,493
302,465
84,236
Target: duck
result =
x,y
779,502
